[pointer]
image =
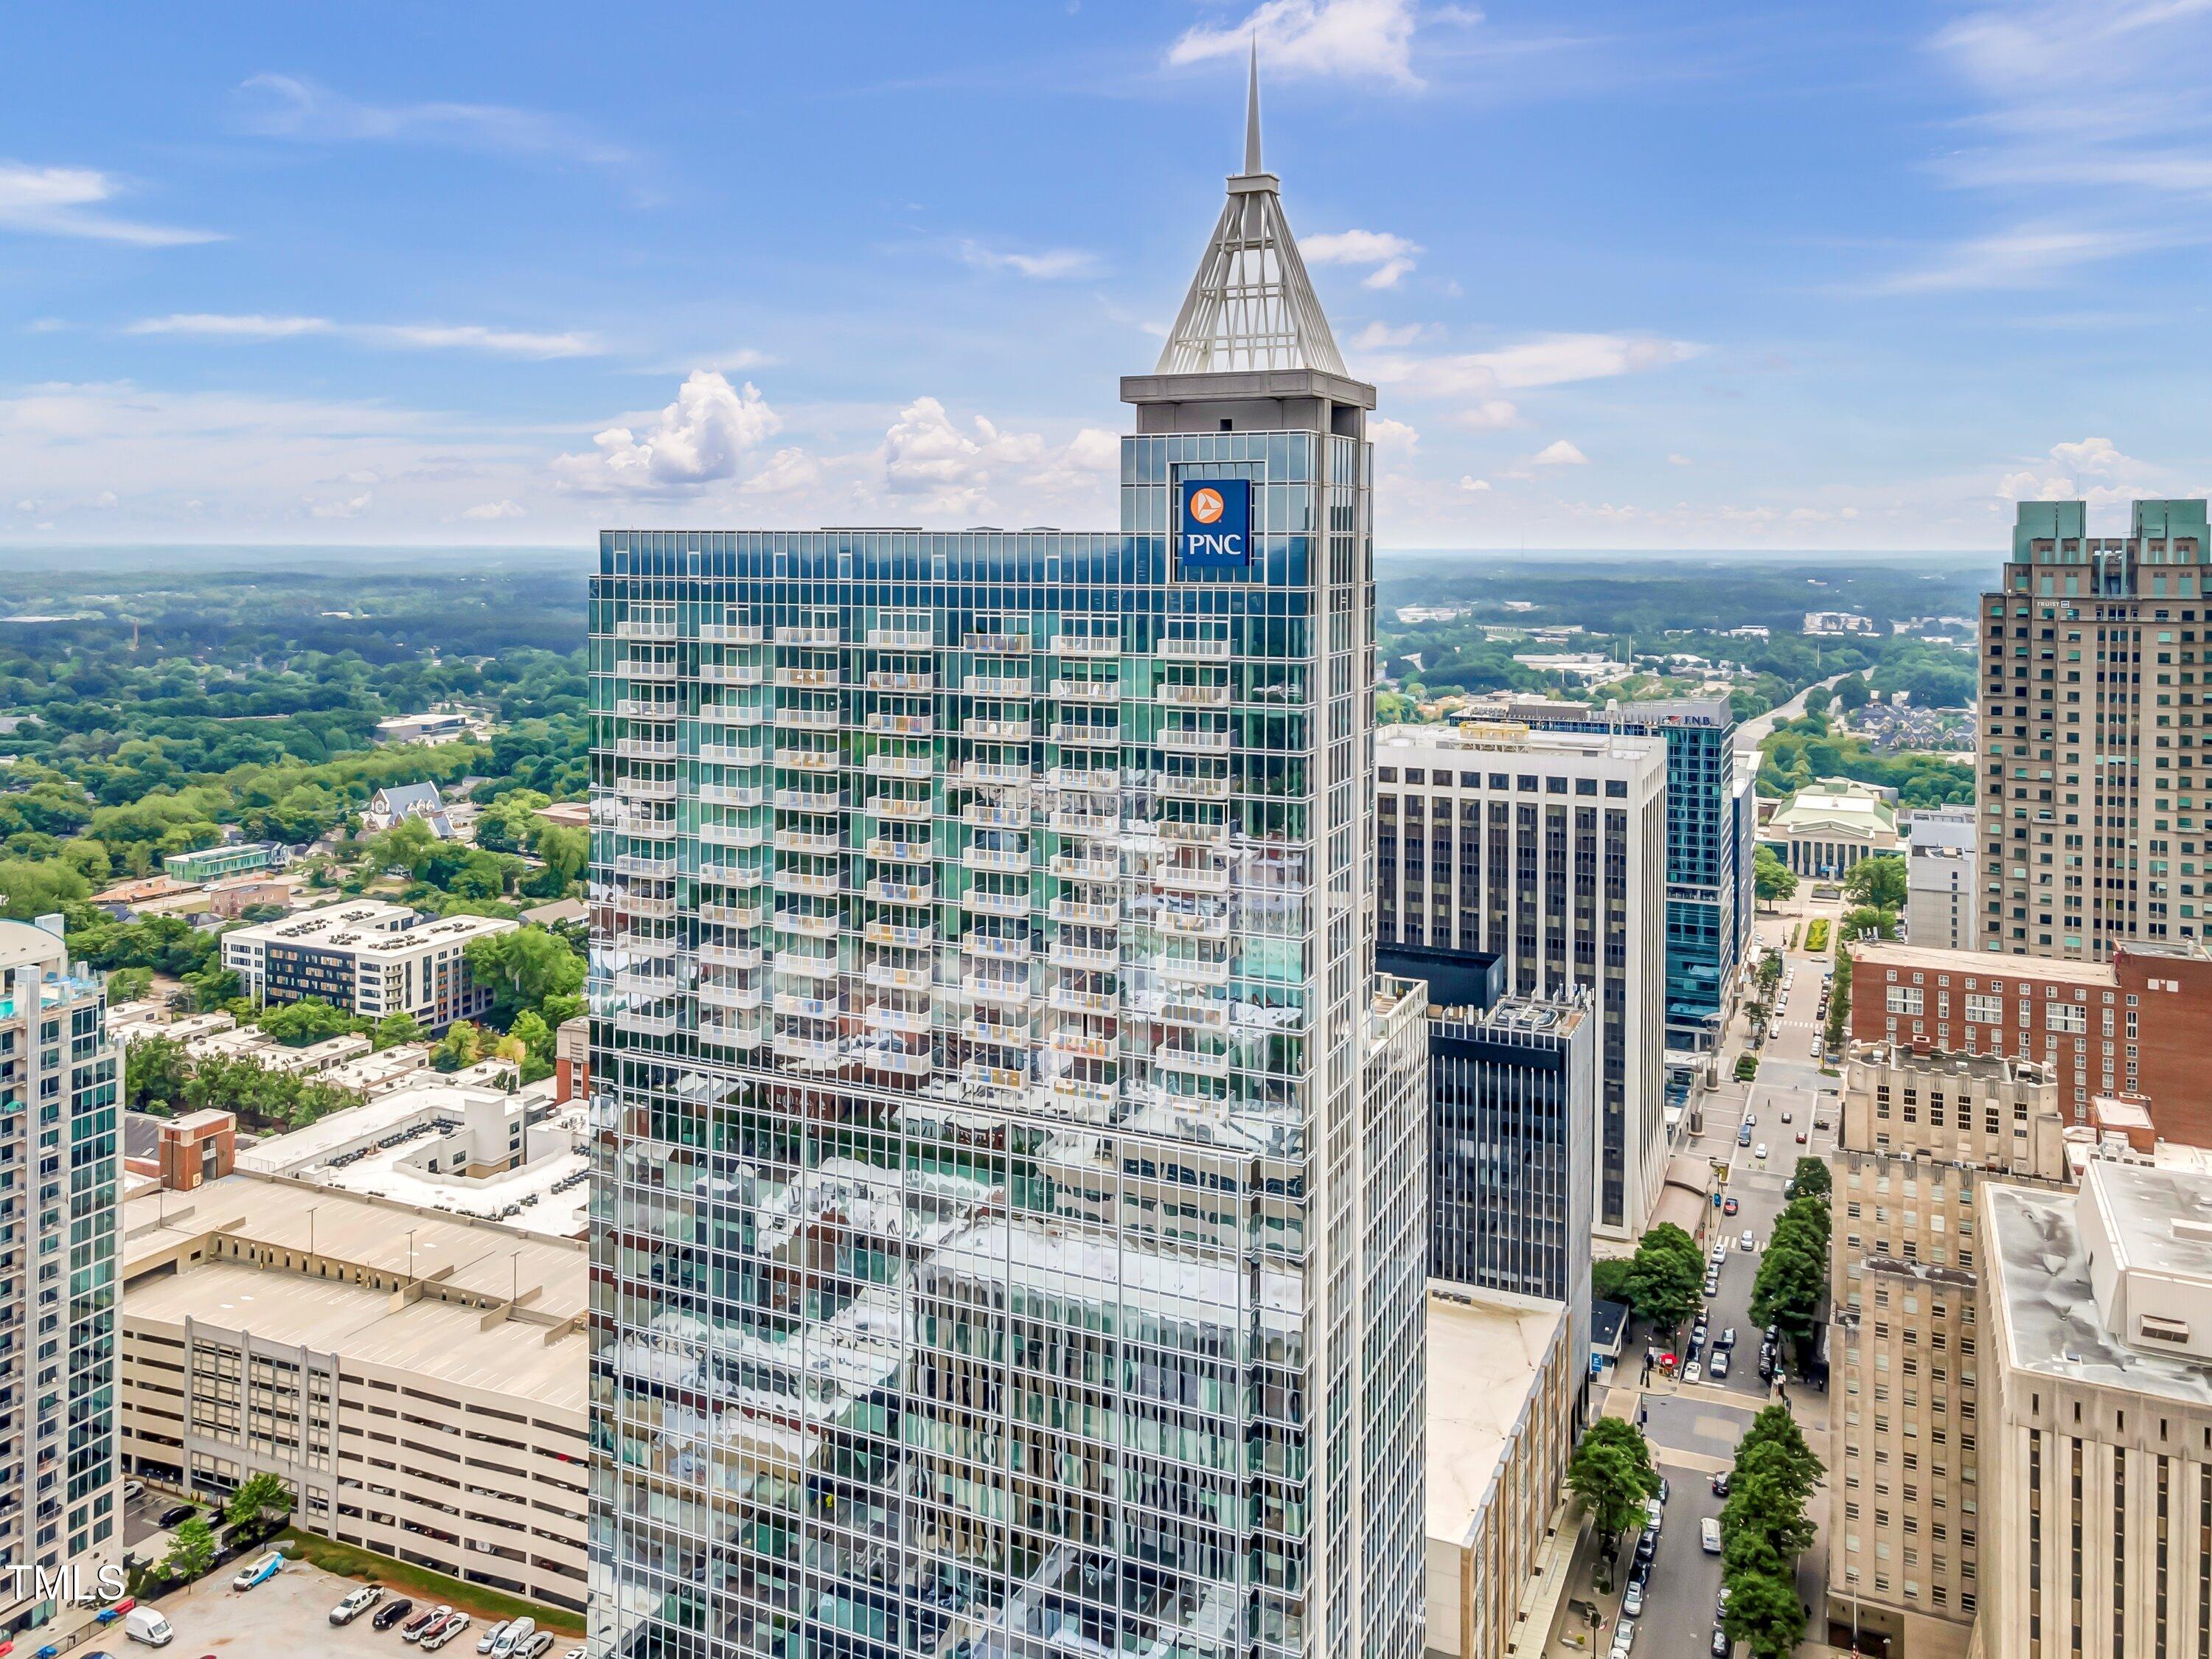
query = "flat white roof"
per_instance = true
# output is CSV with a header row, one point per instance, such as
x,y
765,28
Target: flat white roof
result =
x,y
1483,1359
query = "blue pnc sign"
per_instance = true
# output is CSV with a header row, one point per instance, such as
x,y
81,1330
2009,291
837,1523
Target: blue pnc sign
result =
x,y
1215,518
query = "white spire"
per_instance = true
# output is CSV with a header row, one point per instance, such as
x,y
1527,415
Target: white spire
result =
x,y
1251,306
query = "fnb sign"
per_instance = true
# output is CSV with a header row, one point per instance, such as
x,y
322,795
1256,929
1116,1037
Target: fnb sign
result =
x,y
1215,521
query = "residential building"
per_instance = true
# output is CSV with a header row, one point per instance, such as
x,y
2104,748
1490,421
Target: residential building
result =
x,y
213,863
1505,1380
368,958
60,1165
572,1059
1824,831
1838,622
2097,1416
2133,1025
1940,909
1920,1134
1545,849
417,1379
1711,830
955,897
1513,1107
394,805
2092,806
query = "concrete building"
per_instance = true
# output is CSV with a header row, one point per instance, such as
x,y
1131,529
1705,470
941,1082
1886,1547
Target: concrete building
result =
x,y
1505,1380
368,958
418,1380
1940,912
2095,1310
1826,829
438,725
60,1169
1545,849
2133,1025
948,888
213,863
2092,786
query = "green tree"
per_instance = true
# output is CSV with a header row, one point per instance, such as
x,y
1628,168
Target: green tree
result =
x,y
1771,880
128,984
394,1030
1879,882
191,1550
1610,1277
1611,1472
154,1071
309,1020
1839,1000
461,1047
1777,1426
1791,1288
1818,699
1667,1277
29,889
1764,1612
1811,1179
1851,693
1866,920
523,969
535,1039
565,848
260,1501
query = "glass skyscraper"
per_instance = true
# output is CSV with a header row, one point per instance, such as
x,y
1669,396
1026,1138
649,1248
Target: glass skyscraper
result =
x,y
1008,1171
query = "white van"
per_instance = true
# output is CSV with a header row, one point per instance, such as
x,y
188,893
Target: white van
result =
x,y
1709,1536
144,1625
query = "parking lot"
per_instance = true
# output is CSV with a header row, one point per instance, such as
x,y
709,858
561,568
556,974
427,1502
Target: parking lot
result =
x,y
289,1614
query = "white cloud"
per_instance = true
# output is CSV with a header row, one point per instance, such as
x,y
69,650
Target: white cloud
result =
x,y
492,510
419,336
349,506
2091,455
1051,265
947,468
287,107
702,438
1377,336
1363,40
1473,484
58,201
1390,254
1549,360
1560,453
2027,256
1390,435
787,469
1491,414
1680,460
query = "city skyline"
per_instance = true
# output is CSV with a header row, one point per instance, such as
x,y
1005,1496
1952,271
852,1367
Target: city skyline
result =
x,y
234,314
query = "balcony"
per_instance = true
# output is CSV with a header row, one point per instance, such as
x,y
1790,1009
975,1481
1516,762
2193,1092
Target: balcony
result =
x,y
901,725
734,673
978,902
1196,1016
733,754
995,817
990,731
1011,992
996,947
814,637
645,1024
1196,650
652,987
733,1033
1078,1045
644,749
1195,926
800,1008
1087,737
995,685
890,1017
1070,866
730,632
1191,971
902,766
808,840
1087,690
1076,913
789,1047
1087,1100
900,639
902,892
901,852
638,826
1179,785
1088,645
740,998
897,807
1069,1000
730,956
896,1061
808,720
640,904
807,881
806,967
732,794
884,977
742,717
811,679
733,835
1085,779
996,644
661,672
645,627
806,922
1193,879
634,864
1194,834
1194,696
1191,1062
809,760
828,802
645,789
1091,959
990,1078
1085,824
993,772
991,858
637,709
899,936
1183,740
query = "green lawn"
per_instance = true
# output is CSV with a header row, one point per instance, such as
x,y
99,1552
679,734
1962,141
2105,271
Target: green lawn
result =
x,y
425,1586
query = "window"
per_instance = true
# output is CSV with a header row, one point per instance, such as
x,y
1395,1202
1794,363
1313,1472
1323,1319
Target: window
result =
x,y
1906,1000
1985,1010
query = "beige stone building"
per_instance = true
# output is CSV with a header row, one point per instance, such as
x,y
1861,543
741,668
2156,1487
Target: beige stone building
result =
x,y
2096,1316
1920,1133
1503,1387
417,1377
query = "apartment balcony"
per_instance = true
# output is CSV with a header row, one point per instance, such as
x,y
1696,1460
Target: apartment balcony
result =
x,y
902,766
1087,690
1191,1062
790,1047
1085,1100
1074,911
1194,696
991,1079
1190,970
1193,879
995,685
645,627
985,816
635,863
1179,785
890,1017
994,772
1085,823
1192,833
900,639
1186,741
808,840
809,760
996,947
1201,926
640,904
740,998
732,673
906,812
886,977
730,632
732,794
1087,737
977,902
733,1033
1088,645
645,1024
1091,959
661,672
811,679
1069,1000
1009,993
733,754
798,1007
899,936
638,827
733,835
1194,1015
1085,779
644,749
901,725
742,875
1196,650
896,851
645,789
818,638
991,858
807,881
808,720
806,967
1072,866
1076,1045
653,986
805,922
902,892
740,717
994,731
1000,645
741,957
639,708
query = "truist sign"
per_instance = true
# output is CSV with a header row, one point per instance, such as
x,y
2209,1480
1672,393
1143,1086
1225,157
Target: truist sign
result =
x,y
1216,523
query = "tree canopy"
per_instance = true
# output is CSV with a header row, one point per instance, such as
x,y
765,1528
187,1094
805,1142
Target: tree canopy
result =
x,y
1611,1472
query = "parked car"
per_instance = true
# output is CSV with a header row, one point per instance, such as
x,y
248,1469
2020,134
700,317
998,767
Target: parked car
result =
x,y
1720,1642
514,1637
391,1613
492,1633
1760,1151
1632,1601
1721,1484
1666,1492
1747,1242
539,1646
146,1625
1725,1340
1730,1206
1690,1373
1717,1367
1712,1284
1647,1546
257,1572
174,1514
416,1629
454,1625
1624,1638
1709,1536
1655,1514
1801,1138
357,1603
133,1490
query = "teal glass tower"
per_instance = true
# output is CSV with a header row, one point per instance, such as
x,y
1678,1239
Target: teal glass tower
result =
x,y
1008,1166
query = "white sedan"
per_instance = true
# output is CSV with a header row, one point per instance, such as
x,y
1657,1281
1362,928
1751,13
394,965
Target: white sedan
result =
x,y
1760,1151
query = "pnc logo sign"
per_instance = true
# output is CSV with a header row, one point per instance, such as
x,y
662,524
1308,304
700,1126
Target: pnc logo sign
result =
x,y
1215,523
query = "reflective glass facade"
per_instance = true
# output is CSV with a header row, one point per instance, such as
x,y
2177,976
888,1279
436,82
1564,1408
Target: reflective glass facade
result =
x,y
1008,1169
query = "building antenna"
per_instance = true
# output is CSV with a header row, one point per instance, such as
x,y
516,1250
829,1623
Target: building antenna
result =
x,y
1252,114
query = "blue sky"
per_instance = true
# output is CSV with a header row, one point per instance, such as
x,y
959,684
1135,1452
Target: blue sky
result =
x,y
1628,276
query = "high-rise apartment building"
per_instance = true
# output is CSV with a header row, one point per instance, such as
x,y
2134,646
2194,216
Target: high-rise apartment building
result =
x,y
2095,830
1940,909
1711,830
1008,1194
1546,850
59,1168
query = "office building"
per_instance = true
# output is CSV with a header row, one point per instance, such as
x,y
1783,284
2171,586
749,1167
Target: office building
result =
x,y
1826,830
2096,1417
1505,1384
1545,849
418,1379
368,958
1008,1194
2093,807
1940,909
2133,1025
1920,1134
1513,1097
1711,822
213,863
59,1166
